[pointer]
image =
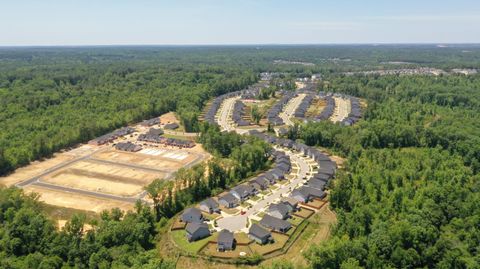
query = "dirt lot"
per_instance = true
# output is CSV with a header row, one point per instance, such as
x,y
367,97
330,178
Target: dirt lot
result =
x,y
76,201
24,173
93,176
145,160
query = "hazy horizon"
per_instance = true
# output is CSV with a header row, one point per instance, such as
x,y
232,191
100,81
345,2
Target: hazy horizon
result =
x,y
248,22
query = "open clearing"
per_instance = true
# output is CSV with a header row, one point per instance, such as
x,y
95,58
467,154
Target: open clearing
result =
x,y
163,161
96,178
92,176
76,201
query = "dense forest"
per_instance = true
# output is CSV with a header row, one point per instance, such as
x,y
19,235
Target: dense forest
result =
x,y
407,198
409,195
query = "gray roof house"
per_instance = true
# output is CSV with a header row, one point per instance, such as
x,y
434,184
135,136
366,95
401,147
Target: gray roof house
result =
x,y
196,231
209,205
263,182
225,240
269,176
316,183
277,174
292,203
305,193
228,200
171,126
323,177
242,192
280,210
259,234
191,215
275,224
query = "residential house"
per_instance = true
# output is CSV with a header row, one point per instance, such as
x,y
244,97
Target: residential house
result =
x,y
192,215
196,231
259,234
305,194
228,200
280,210
242,192
275,224
209,205
225,241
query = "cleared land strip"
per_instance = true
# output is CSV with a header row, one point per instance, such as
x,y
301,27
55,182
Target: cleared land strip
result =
x,y
50,170
84,192
134,166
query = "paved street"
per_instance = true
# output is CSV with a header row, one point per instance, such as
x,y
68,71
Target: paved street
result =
x,y
238,223
342,109
225,114
290,108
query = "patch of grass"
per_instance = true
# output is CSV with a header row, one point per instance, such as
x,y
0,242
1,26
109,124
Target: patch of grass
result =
x,y
177,137
261,214
304,213
254,198
62,213
242,238
279,242
180,239
295,221
316,203
211,250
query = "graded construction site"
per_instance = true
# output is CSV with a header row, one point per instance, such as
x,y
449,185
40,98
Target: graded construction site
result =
x,y
101,177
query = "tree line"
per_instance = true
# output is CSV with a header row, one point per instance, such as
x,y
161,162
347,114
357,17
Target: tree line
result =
x,y
407,197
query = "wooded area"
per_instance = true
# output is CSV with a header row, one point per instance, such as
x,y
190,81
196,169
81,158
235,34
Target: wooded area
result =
x,y
407,198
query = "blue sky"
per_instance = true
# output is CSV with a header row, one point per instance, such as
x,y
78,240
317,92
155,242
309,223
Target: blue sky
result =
x,y
148,22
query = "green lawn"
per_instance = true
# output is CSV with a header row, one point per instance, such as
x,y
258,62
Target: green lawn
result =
x,y
265,192
254,198
295,221
273,187
176,137
180,238
279,242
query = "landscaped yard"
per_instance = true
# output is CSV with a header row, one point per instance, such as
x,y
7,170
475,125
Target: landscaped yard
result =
x,y
180,238
279,242
316,203
210,216
177,224
255,198
230,211
265,192
295,221
242,238
211,250
304,213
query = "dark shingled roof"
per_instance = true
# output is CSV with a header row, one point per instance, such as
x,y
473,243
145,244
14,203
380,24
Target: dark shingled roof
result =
x,y
275,223
225,237
194,226
258,231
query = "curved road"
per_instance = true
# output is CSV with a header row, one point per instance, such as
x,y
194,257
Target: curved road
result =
x,y
239,222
